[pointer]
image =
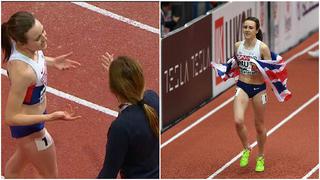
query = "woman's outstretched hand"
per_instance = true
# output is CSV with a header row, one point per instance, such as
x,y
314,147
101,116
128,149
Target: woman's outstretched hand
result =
x,y
106,60
64,115
62,62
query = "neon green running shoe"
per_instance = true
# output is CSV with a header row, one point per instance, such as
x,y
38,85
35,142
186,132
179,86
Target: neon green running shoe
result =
x,y
244,158
260,164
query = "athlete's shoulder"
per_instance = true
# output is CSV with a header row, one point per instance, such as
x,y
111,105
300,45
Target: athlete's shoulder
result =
x,y
237,44
265,51
263,46
21,71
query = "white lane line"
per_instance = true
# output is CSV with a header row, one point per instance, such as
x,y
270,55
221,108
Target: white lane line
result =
x,y
311,172
75,99
268,134
228,101
117,17
198,121
302,52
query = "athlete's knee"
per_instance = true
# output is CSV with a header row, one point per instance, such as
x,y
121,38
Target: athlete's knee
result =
x,y
260,128
51,174
239,120
10,173
261,131
50,171
239,124
13,168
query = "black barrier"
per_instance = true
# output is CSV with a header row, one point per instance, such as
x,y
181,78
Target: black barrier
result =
x,y
186,75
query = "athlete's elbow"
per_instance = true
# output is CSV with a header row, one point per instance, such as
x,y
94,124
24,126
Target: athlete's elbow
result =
x,y
10,120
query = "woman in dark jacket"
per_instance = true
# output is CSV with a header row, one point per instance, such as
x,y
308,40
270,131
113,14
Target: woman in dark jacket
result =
x,y
133,138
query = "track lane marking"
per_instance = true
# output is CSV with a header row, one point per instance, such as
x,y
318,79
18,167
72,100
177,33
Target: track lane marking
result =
x,y
228,101
311,172
117,17
268,134
198,121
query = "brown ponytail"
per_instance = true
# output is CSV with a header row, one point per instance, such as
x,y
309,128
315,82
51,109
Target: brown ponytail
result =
x,y
259,35
152,118
127,81
6,43
16,28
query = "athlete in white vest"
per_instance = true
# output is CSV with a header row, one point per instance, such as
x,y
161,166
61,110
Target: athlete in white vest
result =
x,y
244,55
35,92
251,85
23,39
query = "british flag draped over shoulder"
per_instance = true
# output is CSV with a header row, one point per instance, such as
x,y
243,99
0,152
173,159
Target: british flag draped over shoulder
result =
x,y
273,72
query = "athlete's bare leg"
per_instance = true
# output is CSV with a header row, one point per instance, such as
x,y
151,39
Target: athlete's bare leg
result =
x,y
239,107
15,165
45,161
259,106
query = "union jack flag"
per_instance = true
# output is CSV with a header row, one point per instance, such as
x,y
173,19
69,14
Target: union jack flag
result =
x,y
273,72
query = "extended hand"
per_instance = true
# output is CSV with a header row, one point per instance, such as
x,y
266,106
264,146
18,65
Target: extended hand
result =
x,y
64,115
62,62
106,60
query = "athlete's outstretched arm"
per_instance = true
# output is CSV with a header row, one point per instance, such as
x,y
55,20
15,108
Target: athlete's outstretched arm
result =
x,y
106,60
62,62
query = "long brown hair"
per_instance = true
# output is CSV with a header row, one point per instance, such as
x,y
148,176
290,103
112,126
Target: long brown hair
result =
x,y
127,81
16,28
256,20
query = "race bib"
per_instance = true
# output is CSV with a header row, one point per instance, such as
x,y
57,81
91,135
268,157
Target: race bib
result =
x,y
237,91
264,98
44,142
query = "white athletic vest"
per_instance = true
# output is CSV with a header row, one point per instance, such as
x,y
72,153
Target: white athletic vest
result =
x,y
244,56
36,92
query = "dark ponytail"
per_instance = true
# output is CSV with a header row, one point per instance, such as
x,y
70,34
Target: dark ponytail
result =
x,y
259,35
256,20
16,28
6,43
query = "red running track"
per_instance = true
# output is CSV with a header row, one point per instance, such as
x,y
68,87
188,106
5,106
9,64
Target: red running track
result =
x,y
315,175
290,152
81,144
129,9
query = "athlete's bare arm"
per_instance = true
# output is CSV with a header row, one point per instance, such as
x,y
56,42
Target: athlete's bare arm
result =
x,y
265,52
236,45
62,62
21,77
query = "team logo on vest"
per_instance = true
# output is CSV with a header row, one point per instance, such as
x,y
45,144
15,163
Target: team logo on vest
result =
x,y
247,67
44,76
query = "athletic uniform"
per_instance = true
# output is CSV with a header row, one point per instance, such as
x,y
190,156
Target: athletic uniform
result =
x,y
35,93
249,68
273,71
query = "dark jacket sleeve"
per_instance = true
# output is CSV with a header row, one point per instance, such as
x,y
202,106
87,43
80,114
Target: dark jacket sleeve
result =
x,y
116,150
152,99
